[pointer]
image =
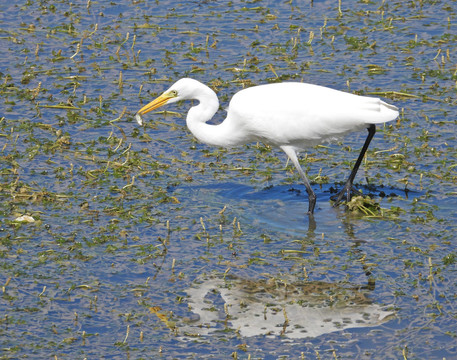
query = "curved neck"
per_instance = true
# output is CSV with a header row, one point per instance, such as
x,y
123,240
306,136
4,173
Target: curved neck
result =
x,y
216,135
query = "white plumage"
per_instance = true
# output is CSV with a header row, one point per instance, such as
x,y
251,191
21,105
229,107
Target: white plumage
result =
x,y
292,116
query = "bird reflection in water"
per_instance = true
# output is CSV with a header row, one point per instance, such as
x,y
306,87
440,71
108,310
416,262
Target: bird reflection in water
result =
x,y
275,308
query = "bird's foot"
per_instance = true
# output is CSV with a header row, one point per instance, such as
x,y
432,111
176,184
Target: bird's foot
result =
x,y
312,203
346,193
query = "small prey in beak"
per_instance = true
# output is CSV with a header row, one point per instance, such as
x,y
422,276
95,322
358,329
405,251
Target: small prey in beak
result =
x,y
154,104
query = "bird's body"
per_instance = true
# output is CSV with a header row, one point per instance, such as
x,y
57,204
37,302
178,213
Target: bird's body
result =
x,y
292,116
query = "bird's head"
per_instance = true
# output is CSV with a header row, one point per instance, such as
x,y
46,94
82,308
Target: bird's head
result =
x,y
181,90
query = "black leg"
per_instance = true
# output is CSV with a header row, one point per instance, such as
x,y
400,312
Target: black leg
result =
x,y
347,190
311,200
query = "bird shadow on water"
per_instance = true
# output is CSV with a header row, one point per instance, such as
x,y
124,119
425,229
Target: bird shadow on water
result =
x,y
283,207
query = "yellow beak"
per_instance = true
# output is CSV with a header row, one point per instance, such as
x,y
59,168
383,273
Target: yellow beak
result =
x,y
154,104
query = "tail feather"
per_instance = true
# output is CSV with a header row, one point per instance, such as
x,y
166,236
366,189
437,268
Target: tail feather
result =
x,y
387,112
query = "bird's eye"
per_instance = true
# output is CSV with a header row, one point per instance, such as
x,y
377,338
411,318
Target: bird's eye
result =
x,y
173,93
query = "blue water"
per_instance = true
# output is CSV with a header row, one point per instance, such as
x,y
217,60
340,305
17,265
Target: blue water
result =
x,y
129,218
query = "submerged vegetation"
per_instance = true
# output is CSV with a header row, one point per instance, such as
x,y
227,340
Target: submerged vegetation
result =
x,y
105,226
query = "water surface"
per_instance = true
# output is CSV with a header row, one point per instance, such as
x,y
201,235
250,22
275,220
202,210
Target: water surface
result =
x,y
133,224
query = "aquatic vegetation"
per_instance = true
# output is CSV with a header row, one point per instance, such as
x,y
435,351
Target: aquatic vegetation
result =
x,y
126,220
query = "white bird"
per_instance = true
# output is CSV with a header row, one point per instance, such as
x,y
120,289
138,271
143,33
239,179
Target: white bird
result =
x,y
290,115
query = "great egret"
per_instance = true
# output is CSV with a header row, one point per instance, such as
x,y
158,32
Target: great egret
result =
x,y
290,115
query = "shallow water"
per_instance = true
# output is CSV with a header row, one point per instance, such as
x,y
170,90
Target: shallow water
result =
x,y
130,220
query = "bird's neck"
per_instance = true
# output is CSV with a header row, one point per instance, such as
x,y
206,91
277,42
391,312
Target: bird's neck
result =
x,y
216,135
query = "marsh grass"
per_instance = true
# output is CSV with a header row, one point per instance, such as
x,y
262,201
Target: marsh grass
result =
x,y
127,218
